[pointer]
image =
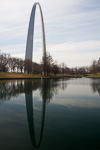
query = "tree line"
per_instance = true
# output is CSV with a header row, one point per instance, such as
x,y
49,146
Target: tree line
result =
x,y
10,64
18,65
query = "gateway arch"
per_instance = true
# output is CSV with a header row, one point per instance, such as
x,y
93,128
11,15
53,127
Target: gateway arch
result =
x,y
30,36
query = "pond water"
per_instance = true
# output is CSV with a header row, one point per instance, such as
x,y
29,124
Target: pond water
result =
x,y
47,114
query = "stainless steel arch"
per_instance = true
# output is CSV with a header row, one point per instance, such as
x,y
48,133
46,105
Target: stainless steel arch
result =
x,y
29,45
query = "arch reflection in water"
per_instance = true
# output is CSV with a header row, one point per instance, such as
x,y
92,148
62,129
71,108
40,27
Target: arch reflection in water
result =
x,y
78,124
30,116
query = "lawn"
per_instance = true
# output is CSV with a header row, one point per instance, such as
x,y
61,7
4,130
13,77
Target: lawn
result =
x,y
6,75
18,75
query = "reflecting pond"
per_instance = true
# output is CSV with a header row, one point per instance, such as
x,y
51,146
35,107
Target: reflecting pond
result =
x,y
60,114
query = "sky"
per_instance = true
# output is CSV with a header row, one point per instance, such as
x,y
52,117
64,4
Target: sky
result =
x,y
72,30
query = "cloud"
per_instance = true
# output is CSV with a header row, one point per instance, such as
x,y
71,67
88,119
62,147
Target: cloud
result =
x,y
72,29
76,60
72,53
76,46
72,102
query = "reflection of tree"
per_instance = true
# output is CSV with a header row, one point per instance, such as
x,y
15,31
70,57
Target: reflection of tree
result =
x,y
96,87
51,87
12,88
46,90
64,84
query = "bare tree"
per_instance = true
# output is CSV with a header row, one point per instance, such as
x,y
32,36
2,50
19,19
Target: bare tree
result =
x,y
48,60
56,69
21,64
94,67
63,66
98,65
4,62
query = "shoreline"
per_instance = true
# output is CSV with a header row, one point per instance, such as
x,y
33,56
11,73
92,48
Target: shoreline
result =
x,y
47,78
20,76
38,78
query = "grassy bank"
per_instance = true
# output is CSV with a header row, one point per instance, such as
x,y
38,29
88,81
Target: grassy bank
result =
x,y
4,75
93,76
17,75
